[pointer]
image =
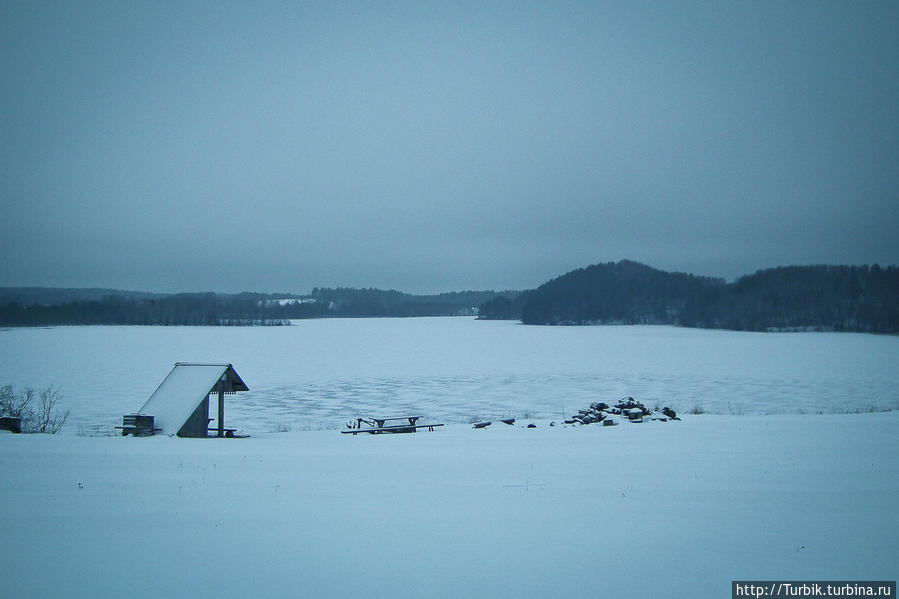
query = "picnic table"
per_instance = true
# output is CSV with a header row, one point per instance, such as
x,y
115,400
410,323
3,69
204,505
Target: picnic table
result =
x,y
407,424
228,432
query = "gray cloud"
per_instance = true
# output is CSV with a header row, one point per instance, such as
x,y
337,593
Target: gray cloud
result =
x,y
432,148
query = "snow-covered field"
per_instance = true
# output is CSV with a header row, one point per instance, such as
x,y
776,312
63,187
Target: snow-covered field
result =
x,y
320,373
675,509
762,486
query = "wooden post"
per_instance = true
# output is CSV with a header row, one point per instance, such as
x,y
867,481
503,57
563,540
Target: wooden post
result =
x,y
221,431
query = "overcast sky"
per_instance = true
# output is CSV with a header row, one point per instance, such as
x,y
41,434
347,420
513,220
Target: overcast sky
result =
x,y
278,146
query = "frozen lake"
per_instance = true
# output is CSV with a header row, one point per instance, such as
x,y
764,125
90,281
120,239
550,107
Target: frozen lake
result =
x,y
321,373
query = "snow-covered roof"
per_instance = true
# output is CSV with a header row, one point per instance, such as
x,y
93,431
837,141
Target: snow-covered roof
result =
x,y
185,387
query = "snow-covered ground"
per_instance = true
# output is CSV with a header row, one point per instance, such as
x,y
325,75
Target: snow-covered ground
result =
x,y
780,479
320,373
676,509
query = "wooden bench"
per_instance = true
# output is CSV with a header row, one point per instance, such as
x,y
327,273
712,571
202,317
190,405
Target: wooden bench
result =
x,y
137,432
380,425
380,422
400,428
229,432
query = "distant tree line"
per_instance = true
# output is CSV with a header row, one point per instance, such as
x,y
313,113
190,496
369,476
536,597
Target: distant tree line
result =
x,y
832,298
178,309
352,302
67,307
51,296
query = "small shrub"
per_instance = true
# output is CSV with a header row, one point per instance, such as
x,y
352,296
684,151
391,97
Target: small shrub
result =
x,y
94,430
697,410
738,411
18,404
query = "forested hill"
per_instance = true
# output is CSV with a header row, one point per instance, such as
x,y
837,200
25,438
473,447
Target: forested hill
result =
x,y
836,298
616,292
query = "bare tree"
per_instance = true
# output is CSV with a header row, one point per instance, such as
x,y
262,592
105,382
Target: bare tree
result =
x,y
17,404
49,418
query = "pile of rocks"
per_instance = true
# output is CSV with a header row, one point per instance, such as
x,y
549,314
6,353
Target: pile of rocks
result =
x,y
628,408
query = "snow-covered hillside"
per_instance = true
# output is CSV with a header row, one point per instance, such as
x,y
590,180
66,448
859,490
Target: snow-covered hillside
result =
x,y
676,509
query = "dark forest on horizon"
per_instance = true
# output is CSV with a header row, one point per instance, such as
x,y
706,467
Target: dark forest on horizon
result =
x,y
790,298
787,298
49,306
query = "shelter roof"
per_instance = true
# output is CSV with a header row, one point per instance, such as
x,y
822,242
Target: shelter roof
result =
x,y
184,389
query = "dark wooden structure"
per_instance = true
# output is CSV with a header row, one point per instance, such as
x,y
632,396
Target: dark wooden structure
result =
x,y
8,423
137,425
180,405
